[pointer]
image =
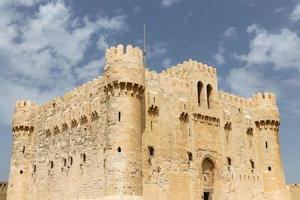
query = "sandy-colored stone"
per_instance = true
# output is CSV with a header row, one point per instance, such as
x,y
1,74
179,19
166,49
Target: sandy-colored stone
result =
x,y
3,190
294,191
138,134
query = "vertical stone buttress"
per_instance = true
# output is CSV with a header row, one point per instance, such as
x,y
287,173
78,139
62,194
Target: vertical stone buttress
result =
x,y
124,86
267,124
20,170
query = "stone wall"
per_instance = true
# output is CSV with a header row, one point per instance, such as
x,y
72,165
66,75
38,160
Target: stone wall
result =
x,y
146,135
3,190
294,191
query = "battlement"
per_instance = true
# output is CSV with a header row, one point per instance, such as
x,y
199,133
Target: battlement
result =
x,y
264,98
130,54
25,104
235,100
256,100
182,69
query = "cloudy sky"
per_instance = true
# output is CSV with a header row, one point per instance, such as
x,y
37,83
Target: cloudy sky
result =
x,y
49,47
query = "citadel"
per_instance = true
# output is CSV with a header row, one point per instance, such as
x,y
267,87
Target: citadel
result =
x,y
135,134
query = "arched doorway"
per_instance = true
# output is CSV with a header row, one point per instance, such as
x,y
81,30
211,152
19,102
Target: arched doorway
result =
x,y
208,169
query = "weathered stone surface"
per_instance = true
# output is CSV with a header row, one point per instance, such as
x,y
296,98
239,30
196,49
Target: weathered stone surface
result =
x,y
138,134
3,190
294,191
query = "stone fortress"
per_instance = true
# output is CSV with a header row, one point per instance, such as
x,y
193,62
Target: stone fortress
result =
x,y
135,134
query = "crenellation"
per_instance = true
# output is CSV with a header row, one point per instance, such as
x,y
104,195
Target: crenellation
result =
x,y
139,134
128,53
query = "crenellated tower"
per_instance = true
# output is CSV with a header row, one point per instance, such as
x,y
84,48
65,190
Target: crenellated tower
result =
x,y
267,122
124,78
22,129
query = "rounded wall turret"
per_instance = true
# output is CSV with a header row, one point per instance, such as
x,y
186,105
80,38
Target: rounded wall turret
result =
x,y
124,65
265,106
124,87
22,129
23,116
267,120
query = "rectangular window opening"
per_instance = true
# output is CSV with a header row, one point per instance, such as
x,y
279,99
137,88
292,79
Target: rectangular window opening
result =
x,y
119,116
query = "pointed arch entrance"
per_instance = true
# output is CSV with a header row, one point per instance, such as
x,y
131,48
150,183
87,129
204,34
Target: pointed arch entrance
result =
x,y
208,172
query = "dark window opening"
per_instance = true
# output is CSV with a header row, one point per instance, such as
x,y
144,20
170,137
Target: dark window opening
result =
x,y
267,145
21,171
65,162
51,164
84,157
151,125
34,168
199,90
119,149
269,168
252,164
208,92
153,99
206,196
190,156
71,160
53,105
119,116
151,150
23,151
228,161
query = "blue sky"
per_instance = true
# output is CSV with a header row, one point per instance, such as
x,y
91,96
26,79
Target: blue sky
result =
x,y
49,47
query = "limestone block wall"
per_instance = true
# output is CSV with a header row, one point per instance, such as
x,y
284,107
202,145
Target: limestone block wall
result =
x,y
294,190
3,190
139,134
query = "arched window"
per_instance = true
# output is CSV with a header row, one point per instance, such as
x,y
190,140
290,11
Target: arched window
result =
x,y
199,89
208,92
119,149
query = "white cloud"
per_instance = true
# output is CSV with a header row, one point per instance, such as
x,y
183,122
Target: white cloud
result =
x,y
168,3
295,15
279,10
157,49
231,33
92,69
41,52
166,63
188,16
246,81
280,49
219,58
276,50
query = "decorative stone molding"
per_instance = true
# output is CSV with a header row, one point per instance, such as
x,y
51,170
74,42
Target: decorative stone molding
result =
x,y
206,119
268,124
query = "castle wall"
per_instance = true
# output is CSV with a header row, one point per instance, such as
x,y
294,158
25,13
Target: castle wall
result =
x,y
138,134
3,190
294,190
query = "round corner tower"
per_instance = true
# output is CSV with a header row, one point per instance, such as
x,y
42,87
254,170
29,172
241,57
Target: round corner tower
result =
x,y
22,129
267,123
124,76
